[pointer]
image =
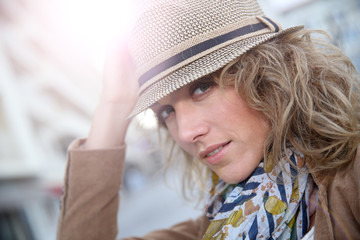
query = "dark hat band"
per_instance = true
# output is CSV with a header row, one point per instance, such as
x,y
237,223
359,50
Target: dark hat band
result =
x,y
203,46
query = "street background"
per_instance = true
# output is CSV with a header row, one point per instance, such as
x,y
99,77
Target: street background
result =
x,y
51,58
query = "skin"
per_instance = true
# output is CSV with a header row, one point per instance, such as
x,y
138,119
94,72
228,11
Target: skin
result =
x,y
202,118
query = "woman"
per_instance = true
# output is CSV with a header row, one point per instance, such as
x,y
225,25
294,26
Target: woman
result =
x,y
271,116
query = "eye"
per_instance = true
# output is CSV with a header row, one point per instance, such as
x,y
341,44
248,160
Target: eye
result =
x,y
200,87
164,113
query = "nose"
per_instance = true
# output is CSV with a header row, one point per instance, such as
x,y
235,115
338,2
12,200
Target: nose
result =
x,y
191,122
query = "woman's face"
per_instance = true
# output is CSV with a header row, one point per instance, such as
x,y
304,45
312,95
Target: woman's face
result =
x,y
215,126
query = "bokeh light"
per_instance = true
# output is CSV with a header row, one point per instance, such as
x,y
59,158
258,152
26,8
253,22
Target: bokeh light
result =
x,y
94,24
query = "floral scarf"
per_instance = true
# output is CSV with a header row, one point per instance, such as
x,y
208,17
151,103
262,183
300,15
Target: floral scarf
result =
x,y
270,204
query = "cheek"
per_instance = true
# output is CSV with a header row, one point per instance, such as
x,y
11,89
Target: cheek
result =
x,y
243,119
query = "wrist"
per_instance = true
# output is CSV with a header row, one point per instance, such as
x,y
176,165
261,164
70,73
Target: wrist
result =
x,y
109,125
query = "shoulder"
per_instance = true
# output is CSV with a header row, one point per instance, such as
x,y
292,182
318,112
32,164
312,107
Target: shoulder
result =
x,y
340,193
348,177
342,186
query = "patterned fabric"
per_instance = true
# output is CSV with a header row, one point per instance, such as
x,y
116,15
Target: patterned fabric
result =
x,y
271,204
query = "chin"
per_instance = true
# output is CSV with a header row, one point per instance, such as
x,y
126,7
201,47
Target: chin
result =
x,y
231,179
234,175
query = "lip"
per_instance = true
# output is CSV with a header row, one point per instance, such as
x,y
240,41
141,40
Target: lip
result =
x,y
213,159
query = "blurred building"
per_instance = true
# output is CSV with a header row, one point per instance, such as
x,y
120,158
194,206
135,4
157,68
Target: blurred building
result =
x,y
338,18
42,108
49,87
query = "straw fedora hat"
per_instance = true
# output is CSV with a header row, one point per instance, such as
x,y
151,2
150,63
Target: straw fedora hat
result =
x,y
175,42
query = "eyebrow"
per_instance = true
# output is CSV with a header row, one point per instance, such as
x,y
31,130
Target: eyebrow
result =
x,y
155,107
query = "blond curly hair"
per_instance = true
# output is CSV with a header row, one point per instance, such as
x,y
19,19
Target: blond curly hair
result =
x,y
308,90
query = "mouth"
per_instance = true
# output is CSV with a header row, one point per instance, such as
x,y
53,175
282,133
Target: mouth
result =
x,y
213,150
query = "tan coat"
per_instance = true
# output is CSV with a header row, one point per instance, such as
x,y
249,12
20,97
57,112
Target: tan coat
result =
x,y
93,179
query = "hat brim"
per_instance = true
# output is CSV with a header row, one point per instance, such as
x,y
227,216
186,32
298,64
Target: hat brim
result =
x,y
200,68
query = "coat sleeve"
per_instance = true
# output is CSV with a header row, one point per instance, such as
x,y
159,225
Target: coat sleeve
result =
x,y
91,199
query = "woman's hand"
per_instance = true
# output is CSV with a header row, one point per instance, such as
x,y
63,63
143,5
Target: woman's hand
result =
x,y
118,97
